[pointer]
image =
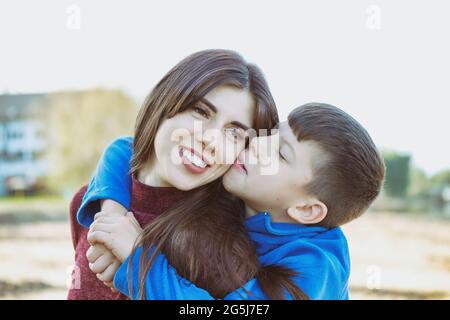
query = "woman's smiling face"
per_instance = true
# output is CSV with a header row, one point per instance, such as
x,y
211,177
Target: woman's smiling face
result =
x,y
200,144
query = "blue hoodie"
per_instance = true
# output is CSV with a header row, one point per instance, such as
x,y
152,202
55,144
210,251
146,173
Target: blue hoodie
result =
x,y
110,181
319,255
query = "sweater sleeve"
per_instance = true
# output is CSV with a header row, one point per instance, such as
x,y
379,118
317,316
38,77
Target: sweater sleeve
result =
x,y
74,226
111,180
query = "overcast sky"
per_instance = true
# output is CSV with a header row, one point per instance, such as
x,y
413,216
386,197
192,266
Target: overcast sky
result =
x,y
385,62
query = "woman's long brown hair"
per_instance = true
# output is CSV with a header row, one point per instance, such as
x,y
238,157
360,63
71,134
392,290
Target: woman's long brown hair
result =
x,y
203,236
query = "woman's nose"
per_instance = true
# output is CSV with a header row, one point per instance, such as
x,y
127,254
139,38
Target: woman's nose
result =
x,y
253,146
208,140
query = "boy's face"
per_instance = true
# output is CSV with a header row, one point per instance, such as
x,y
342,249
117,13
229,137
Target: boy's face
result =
x,y
274,171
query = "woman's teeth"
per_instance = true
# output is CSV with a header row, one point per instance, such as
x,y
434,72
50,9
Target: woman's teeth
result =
x,y
194,159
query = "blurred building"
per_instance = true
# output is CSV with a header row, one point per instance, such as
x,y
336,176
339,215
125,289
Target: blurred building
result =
x,y
23,141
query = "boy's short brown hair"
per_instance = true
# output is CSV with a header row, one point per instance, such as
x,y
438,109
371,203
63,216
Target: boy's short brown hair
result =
x,y
350,175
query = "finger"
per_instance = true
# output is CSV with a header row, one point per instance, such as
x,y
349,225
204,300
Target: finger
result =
x,y
102,263
92,236
108,274
98,226
108,214
111,286
107,220
99,236
110,224
95,251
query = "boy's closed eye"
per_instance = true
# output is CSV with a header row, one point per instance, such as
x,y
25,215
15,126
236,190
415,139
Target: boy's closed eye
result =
x,y
282,156
286,151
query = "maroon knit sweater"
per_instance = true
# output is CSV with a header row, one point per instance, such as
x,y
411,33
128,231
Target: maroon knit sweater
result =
x,y
146,204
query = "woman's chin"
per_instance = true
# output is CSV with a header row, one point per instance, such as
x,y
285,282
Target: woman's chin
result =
x,y
185,183
233,182
185,186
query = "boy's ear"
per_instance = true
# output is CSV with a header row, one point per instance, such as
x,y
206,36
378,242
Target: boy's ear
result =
x,y
311,212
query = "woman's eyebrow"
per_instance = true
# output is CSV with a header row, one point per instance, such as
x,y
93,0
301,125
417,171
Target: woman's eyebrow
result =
x,y
214,109
240,125
209,105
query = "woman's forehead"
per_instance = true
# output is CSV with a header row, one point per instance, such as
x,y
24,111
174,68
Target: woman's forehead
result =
x,y
232,103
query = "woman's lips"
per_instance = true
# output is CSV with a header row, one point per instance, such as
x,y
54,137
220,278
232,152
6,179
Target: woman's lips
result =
x,y
240,166
192,161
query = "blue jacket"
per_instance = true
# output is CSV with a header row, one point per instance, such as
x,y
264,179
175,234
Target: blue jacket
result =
x,y
319,255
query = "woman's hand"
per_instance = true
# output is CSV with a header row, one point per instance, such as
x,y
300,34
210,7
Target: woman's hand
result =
x,y
118,233
103,263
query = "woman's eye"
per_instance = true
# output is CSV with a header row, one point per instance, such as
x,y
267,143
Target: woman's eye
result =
x,y
201,112
235,133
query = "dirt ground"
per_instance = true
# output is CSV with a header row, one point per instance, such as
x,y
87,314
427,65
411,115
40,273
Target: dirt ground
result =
x,y
394,256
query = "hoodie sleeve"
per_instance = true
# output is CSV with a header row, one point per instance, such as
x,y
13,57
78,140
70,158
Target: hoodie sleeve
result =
x,y
322,265
161,283
111,180
322,273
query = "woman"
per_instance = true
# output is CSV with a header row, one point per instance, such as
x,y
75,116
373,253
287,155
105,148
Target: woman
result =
x,y
224,93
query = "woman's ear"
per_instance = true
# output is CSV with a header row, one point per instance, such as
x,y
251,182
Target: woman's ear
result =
x,y
308,213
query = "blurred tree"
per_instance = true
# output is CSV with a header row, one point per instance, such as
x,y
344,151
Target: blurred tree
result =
x,y
420,184
441,178
397,174
81,125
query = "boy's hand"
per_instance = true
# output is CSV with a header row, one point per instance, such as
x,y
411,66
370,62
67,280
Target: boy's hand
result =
x,y
98,255
118,233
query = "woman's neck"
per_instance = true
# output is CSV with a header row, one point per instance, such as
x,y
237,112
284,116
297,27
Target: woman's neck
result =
x,y
148,175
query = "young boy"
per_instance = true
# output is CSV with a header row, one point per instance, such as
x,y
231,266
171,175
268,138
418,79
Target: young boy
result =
x,y
325,172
